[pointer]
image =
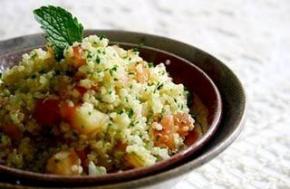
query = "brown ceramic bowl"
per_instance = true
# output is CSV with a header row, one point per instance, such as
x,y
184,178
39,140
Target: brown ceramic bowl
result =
x,y
157,49
205,101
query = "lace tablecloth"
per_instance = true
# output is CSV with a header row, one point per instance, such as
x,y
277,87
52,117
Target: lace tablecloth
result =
x,y
251,37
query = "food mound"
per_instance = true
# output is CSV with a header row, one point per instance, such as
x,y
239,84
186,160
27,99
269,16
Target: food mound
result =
x,y
99,109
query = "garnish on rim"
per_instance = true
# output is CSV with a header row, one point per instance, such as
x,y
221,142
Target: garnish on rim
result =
x,y
61,28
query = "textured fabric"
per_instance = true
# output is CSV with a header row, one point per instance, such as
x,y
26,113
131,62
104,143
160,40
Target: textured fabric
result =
x,y
251,37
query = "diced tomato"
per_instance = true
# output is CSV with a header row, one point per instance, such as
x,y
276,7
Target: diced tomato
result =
x,y
12,131
121,146
47,112
67,111
142,72
79,75
77,56
180,123
81,90
184,123
164,137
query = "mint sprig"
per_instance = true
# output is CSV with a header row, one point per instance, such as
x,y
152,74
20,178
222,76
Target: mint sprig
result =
x,y
61,28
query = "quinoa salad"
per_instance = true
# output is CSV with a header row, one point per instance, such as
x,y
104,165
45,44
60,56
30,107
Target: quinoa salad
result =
x,y
99,109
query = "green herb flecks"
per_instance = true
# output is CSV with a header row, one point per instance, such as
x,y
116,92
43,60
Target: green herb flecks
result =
x,y
130,113
61,28
159,86
98,60
151,65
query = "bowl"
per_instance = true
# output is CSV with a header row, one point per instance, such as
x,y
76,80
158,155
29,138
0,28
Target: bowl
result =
x,y
205,101
232,95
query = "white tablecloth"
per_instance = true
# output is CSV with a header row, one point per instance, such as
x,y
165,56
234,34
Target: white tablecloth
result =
x,y
251,36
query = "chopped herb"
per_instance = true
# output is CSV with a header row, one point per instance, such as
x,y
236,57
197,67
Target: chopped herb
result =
x,y
113,69
33,56
159,86
130,113
120,111
108,129
131,124
150,64
136,49
95,43
89,55
98,60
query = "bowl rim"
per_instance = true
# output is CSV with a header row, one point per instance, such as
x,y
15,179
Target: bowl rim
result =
x,y
137,172
187,166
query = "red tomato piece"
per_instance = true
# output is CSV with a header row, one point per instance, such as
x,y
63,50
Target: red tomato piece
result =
x,y
12,131
164,138
78,60
47,112
81,90
67,111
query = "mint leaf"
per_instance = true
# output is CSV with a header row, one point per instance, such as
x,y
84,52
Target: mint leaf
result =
x,y
61,28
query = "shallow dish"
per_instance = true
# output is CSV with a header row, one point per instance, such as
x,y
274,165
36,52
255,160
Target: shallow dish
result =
x,y
212,66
